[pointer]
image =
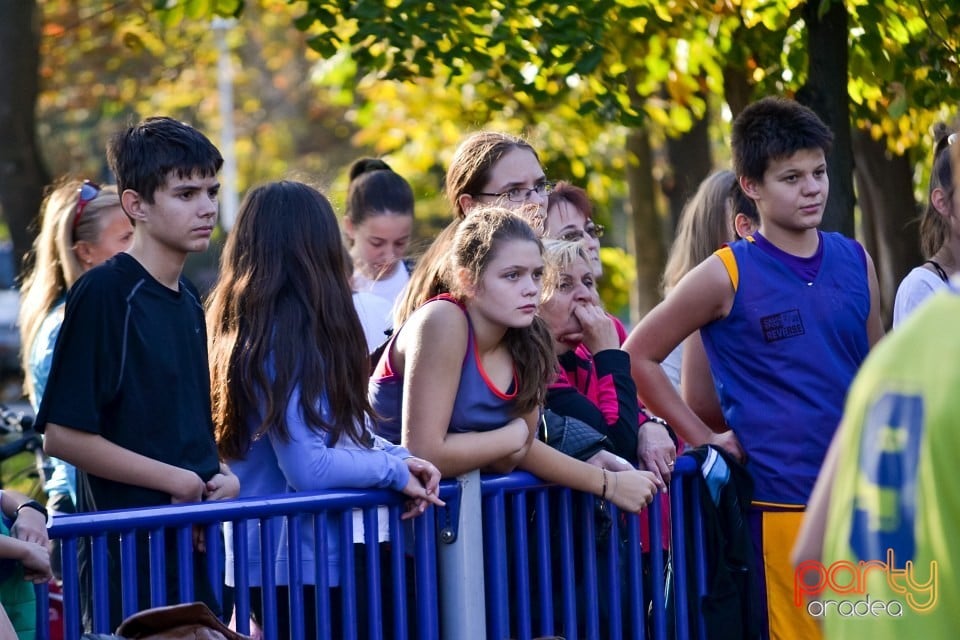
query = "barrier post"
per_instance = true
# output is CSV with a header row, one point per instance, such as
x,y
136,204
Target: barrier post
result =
x,y
460,565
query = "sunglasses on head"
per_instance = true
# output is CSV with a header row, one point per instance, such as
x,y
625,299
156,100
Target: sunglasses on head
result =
x,y
945,142
87,192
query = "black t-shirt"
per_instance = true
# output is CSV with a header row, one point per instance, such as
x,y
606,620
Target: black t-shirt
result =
x,y
130,364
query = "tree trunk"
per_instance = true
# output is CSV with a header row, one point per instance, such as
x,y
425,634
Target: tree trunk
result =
x,y
645,242
690,162
826,93
22,173
888,214
737,90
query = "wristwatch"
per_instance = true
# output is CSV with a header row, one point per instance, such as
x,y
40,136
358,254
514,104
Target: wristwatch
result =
x,y
33,504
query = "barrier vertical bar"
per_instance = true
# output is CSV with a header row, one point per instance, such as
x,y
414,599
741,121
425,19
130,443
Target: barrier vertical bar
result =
x,y
614,606
588,549
567,580
656,566
71,587
158,558
425,543
462,605
398,571
699,550
321,597
101,590
680,570
544,574
128,573
348,576
184,564
521,563
268,579
638,615
241,574
371,549
295,579
42,594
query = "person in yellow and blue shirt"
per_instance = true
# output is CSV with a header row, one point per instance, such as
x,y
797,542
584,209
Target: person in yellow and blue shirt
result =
x,y
877,556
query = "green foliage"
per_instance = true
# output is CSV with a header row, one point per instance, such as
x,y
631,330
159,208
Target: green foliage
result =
x,y
619,278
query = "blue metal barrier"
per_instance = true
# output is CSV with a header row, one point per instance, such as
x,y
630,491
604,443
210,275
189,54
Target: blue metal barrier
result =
x,y
550,572
546,573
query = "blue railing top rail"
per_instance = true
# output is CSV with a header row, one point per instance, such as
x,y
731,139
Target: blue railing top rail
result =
x,y
519,480
301,502
175,515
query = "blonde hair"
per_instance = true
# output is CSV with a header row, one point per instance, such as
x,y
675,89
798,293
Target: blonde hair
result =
x,y
704,226
55,266
558,257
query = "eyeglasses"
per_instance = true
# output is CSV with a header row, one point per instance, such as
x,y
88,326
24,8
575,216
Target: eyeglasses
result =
x,y
594,230
87,192
522,194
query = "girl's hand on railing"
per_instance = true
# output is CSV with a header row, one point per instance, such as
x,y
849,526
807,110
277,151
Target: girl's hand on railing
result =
x,y
36,562
423,486
656,450
222,486
632,490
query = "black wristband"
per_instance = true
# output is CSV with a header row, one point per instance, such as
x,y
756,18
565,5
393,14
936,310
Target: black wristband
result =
x,y
33,504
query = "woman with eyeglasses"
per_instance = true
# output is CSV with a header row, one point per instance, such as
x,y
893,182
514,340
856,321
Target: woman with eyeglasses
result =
x,y
570,218
939,236
81,226
488,168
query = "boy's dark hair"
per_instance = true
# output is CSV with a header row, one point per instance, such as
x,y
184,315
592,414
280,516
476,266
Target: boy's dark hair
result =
x,y
774,128
142,156
375,189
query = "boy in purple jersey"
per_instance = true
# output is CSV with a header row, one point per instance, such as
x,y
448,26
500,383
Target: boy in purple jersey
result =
x,y
786,319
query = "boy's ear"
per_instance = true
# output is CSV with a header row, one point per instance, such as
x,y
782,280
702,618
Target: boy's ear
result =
x,y
743,225
749,187
132,203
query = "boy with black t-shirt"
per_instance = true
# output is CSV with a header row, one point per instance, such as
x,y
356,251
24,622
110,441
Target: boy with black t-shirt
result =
x,y
128,397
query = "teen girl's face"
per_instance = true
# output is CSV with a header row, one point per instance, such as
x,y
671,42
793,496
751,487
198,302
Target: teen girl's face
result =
x,y
575,287
116,235
379,243
508,293
518,173
792,196
566,222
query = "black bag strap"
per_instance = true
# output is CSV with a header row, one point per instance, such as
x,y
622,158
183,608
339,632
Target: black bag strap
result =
x,y
940,272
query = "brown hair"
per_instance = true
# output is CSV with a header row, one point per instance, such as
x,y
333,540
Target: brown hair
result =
x,y
934,228
474,245
281,319
472,161
704,226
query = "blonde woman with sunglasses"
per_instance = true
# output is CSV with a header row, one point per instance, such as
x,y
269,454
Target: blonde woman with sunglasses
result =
x,y
81,225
